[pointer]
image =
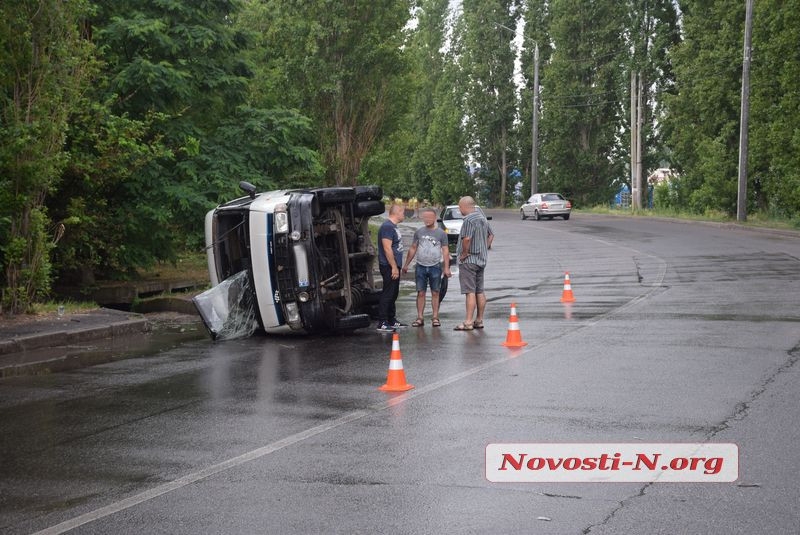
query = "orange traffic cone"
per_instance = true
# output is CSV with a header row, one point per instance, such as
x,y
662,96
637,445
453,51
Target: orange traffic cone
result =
x,y
396,379
566,295
514,337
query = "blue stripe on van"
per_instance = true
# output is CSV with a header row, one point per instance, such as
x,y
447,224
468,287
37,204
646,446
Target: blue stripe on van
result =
x,y
271,264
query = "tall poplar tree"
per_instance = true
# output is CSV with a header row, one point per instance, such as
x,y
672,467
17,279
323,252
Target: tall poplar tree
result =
x,y
445,147
343,65
400,162
582,96
774,166
488,65
704,113
536,32
653,31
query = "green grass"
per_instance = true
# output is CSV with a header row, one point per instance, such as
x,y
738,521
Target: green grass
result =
x,y
190,264
70,307
755,219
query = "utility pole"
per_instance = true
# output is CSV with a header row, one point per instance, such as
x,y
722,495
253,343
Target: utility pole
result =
x,y
637,120
741,198
634,143
639,125
535,124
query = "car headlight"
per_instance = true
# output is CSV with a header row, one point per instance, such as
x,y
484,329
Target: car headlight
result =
x,y
292,313
281,219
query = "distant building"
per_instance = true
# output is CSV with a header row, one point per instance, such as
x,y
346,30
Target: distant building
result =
x,y
662,174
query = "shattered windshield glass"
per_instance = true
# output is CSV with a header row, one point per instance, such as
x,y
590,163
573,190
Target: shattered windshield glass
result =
x,y
229,309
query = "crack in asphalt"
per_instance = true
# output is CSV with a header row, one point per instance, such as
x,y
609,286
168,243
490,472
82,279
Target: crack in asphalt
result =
x,y
739,413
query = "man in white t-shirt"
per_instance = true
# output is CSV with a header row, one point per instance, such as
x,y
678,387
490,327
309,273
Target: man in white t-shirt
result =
x,y
433,260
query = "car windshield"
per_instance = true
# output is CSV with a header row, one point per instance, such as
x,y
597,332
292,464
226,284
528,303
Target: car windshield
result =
x,y
552,197
453,213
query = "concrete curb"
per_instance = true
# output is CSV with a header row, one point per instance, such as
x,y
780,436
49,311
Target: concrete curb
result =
x,y
59,338
56,338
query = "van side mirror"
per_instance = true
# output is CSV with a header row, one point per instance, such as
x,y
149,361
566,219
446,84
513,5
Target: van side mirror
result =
x,y
248,188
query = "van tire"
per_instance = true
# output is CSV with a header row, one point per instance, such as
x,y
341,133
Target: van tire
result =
x,y
368,208
335,195
369,193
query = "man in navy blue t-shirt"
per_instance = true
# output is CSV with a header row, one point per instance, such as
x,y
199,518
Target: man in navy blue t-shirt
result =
x,y
390,258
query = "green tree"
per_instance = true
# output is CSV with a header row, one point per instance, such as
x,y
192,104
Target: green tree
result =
x,y
488,66
445,145
652,32
43,64
582,95
536,32
703,122
167,132
426,156
427,60
342,64
774,166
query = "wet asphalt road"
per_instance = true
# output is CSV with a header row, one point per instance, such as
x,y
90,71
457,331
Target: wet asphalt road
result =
x,y
679,333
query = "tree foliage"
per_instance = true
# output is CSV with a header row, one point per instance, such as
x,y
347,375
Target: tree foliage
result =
x,y
704,112
342,63
122,122
166,132
582,95
43,63
488,66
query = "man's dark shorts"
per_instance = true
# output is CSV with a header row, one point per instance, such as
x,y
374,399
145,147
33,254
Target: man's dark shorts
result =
x,y
470,277
428,275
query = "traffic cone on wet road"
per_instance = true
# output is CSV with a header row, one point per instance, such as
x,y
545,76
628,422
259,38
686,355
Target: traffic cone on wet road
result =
x,y
566,295
514,336
396,379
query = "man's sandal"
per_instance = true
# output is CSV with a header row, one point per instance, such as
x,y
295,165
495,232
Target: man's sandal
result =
x,y
436,323
463,327
419,322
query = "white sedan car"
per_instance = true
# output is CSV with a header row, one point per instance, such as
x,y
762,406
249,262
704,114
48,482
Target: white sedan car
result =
x,y
450,220
547,205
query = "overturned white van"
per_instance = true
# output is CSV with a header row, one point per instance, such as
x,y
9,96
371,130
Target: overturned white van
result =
x,y
291,261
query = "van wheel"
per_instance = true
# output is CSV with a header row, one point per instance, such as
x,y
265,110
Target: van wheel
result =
x,y
335,195
369,193
368,208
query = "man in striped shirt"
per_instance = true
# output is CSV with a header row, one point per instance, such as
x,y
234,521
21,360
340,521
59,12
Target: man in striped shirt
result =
x,y
472,251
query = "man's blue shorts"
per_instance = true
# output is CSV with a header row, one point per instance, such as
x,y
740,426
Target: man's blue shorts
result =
x,y
428,275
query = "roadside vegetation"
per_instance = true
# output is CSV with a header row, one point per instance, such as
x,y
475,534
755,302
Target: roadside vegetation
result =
x,y
123,121
755,219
